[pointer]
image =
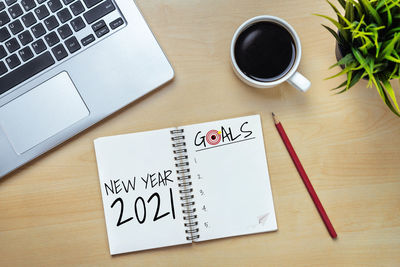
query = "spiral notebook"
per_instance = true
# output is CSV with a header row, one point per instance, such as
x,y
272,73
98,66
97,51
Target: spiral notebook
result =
x,y
185,184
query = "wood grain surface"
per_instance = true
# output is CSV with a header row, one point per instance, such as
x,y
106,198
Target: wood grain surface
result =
x,y
51,210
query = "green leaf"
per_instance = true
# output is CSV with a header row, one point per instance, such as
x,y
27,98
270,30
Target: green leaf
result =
x,y
380,4
367,44
389,15
390,46
345,70
363,7
349,75
337,24
344,19
385,99
393,59
370,61
359,67
359,24
393,4
394,30
364,63
355,79
338,39
333,6
376,43
341,85
340,92
393,74
390,91
342,3
372,11
358,7
347,59
340,20
395,54
349,11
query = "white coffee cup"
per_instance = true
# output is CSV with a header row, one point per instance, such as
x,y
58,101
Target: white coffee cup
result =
x,y
292,76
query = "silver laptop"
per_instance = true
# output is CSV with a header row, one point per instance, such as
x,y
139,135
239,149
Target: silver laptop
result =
x,y
65,65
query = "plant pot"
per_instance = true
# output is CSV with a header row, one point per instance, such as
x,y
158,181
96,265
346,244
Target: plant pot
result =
x,y
339,53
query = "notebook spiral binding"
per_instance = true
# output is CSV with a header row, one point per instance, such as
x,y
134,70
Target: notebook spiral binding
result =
x,y
184,182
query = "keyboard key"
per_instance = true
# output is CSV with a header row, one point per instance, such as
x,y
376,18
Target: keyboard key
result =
x,y
90,3
25,37
3,52
51,23
28,4
26,71
67,2
116,23
78,24
102,31
98,25
12,45
38,30
2,6
41,1
15,27
72,45
87,40
10,2
52,39
3,68
77,8
4,18
25,53
99,11
42,12
39,46
15,11
13,61
4,34
28,19
54,5
59,52
64,15
64,31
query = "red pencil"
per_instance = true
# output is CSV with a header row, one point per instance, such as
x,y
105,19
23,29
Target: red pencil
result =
x,y
304,177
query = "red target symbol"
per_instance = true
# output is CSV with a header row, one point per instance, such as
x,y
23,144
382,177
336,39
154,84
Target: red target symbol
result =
x,y
213,137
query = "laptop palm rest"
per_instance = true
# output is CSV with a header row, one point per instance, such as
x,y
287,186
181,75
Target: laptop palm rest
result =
x,y
42,112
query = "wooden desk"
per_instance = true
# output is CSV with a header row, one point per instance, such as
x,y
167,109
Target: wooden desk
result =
x,y
51,211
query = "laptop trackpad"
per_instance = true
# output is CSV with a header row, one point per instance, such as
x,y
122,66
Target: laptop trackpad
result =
x,y
42,112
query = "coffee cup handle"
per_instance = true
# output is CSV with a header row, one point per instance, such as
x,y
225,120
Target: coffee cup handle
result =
x,y
300,82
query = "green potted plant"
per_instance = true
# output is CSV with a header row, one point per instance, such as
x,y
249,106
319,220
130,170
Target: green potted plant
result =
x,y
368,45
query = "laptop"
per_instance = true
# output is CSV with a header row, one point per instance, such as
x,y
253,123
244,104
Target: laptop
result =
x,y
67,64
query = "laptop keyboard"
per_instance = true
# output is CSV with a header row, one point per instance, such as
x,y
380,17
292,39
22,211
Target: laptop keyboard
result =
x,y
38,34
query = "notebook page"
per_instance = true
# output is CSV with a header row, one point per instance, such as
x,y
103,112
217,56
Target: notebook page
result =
x,y
230,177
137,171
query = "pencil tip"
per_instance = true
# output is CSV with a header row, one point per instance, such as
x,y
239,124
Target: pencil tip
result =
x,y
275,118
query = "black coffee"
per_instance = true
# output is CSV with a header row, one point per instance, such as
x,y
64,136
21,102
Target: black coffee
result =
x,y
265,51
